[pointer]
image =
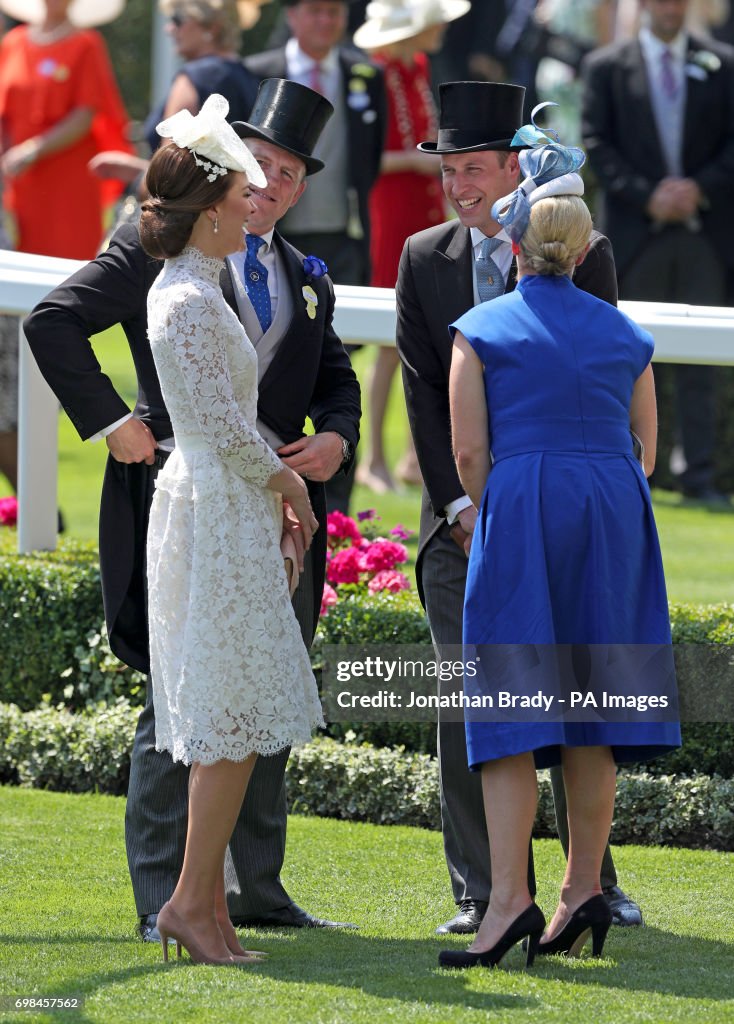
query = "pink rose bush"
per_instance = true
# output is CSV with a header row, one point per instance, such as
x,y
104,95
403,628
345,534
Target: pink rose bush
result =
x,y
358,557
8,511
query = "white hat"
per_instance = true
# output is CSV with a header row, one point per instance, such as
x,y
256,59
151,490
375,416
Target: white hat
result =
x,y
81,13
391,21
213,142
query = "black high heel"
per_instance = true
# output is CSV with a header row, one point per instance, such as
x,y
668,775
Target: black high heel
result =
x,y
592,918
530,923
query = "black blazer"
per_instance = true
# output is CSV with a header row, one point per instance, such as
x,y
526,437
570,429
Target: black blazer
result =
x,y
621,138
366,127
310,376
436,286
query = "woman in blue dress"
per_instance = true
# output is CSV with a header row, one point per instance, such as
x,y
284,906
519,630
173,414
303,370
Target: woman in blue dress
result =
x,y
565,587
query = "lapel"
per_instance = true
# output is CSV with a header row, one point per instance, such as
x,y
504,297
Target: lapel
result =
x,y
293,281
225,283
454,277
697,101
639,108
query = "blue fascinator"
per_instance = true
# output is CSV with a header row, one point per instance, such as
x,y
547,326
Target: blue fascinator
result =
x,y
549,169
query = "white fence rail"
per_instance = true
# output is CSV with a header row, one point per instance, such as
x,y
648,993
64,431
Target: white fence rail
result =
x,y
683,334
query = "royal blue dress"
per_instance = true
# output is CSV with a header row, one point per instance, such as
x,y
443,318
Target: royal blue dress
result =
x,y
565,549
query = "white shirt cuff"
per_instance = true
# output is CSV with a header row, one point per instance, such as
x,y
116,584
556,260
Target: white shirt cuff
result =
x,y
454,507
106,431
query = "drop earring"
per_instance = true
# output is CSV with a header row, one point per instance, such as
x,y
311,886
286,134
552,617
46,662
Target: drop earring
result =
x,y
215,225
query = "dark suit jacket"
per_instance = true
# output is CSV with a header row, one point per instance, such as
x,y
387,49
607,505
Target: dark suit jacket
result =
x,y
366,127
621,138
435,286
310,376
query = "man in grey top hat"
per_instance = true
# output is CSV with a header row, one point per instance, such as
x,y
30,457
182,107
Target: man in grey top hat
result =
x,y
443,272
303,371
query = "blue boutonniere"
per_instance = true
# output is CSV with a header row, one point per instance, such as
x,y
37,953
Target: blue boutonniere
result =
x,y
314,267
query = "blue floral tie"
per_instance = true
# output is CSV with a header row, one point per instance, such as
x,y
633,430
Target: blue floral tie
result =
x,y
490,282
256,282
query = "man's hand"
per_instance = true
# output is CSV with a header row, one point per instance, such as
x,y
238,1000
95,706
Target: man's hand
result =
x,y
462,528
674,200
292,528
132,442
316,457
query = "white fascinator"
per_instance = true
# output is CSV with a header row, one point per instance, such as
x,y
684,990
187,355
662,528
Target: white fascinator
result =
x,y
213,142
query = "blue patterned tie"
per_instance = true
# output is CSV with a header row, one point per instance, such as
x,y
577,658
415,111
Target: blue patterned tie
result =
x,y
490,282
256,282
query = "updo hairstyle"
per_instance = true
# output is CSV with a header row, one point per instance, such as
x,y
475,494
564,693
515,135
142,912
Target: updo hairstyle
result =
x,y
179,191
557,234
220,17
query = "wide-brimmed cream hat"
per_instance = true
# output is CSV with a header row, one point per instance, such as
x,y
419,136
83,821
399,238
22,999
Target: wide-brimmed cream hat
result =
x,y
391,21
82,13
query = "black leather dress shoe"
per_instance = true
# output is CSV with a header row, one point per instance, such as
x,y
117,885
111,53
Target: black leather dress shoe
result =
x,y
148,929
467,921
625,912
291,916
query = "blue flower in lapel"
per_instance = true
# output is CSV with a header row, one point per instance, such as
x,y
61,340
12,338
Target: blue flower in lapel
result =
x,y
314,267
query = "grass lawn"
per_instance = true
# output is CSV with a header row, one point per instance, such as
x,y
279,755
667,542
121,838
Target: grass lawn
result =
x,y
66,930
698,545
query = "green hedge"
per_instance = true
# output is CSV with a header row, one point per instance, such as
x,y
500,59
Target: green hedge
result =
x,y
68,660
51,748
52,637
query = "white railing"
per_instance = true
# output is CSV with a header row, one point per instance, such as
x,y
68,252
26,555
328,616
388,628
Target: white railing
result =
x,y
683,334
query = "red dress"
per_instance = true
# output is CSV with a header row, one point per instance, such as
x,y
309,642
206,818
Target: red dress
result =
x,y
404,202
56,204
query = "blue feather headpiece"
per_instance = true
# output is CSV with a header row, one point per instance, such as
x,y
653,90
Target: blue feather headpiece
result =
x,y
549,169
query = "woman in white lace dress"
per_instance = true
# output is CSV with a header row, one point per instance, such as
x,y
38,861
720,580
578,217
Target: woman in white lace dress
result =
x,y
231,676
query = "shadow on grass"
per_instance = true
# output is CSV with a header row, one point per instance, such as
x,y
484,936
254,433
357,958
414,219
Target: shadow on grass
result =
x,y
406,971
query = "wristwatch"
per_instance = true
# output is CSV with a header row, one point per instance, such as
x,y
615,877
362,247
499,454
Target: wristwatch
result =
x,y
347,449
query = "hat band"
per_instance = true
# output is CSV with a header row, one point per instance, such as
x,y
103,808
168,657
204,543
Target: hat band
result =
x,y
461,138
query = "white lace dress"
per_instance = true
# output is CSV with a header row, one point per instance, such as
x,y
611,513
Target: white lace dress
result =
x,y
229,669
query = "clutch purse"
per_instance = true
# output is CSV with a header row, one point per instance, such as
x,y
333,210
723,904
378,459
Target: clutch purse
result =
x,y
290,562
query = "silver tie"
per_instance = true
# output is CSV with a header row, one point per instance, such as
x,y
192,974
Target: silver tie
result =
x,y
490,282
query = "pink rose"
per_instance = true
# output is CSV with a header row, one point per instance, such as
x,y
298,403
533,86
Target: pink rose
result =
x,y
9,511
340,527
401,532
328,599
388,579
344,566
382,554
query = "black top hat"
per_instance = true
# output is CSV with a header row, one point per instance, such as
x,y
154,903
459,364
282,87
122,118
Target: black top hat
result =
x,y
477,115
289,115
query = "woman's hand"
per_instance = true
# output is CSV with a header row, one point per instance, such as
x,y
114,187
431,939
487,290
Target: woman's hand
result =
x,y
295,492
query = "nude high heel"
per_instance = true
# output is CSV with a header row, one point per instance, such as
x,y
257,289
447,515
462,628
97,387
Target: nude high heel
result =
x,y
170,925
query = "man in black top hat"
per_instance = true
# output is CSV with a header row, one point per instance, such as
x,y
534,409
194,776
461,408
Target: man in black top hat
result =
x,y
437,282
303,371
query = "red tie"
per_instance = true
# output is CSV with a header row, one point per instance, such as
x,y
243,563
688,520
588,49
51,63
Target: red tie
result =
x,y
315,80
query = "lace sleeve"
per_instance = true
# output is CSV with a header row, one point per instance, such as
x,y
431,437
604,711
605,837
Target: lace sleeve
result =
x,y
193,330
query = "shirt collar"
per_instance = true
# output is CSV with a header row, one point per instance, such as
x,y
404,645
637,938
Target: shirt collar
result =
x,y
652,47
299,63
477,237
267,238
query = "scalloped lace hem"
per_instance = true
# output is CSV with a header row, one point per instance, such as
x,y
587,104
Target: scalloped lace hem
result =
x,y
187,755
